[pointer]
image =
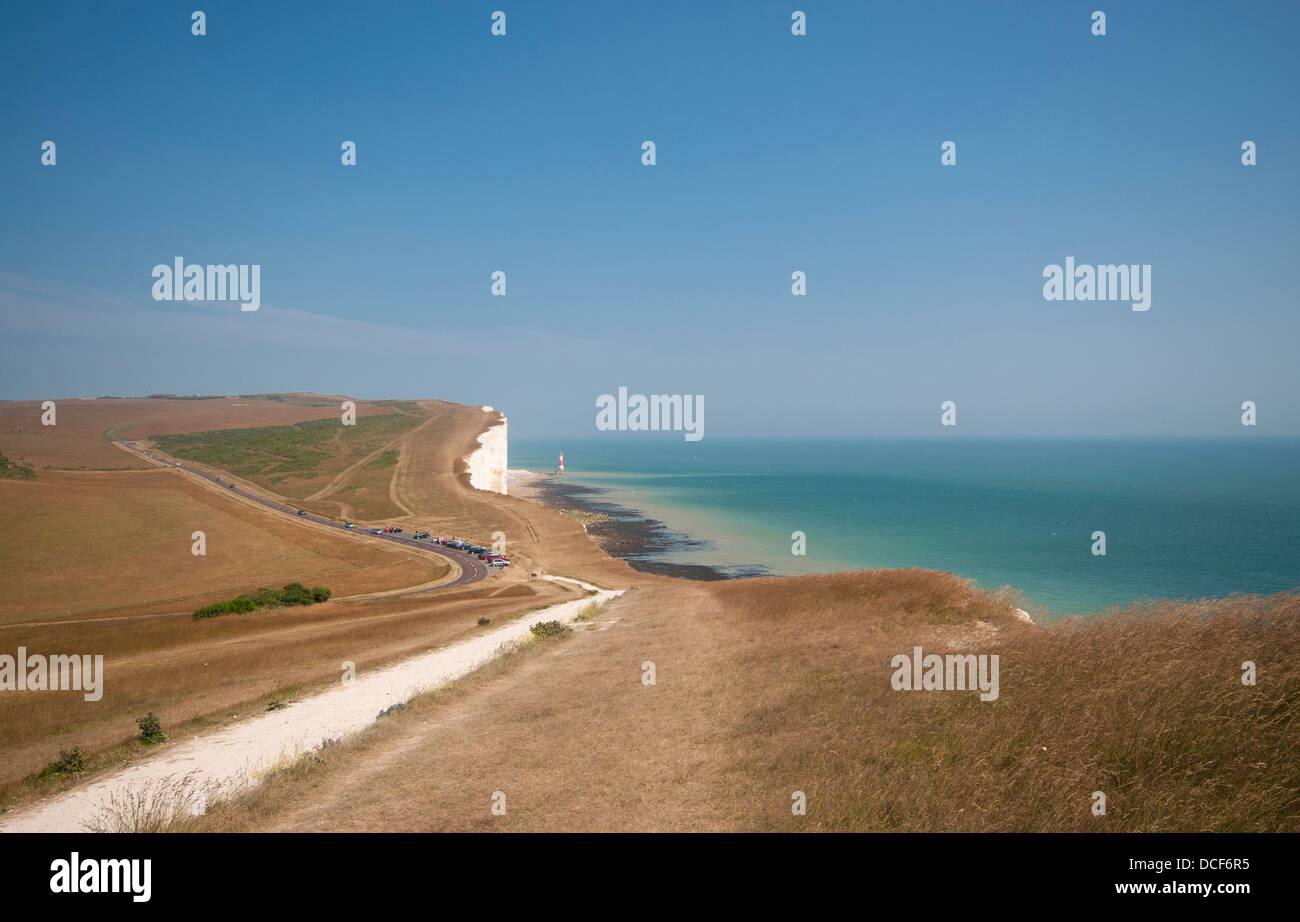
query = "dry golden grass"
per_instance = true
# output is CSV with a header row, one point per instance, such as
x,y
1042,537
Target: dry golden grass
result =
x,y
770,686
156,807
77,439
80,544
199,674
100,562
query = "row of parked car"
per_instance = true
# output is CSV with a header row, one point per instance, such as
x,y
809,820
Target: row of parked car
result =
x,y
487,555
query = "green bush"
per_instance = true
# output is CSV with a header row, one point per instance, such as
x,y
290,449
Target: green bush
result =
x,y
151,729
295,594
292,594
70,762
15,470
240,604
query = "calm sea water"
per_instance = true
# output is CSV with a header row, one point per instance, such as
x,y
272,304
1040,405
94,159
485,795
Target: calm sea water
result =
x,y
1182,517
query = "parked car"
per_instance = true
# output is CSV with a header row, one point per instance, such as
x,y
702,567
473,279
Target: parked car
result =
x,y
498,562
420,534
477,551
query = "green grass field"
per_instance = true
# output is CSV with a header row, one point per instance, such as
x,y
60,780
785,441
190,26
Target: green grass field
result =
x,y
274,455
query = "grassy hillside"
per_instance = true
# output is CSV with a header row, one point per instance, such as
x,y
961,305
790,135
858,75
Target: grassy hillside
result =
x,y
99,561
93,545
289,459
769,687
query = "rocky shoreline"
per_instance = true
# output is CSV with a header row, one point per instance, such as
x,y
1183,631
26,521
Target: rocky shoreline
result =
x,y
621,532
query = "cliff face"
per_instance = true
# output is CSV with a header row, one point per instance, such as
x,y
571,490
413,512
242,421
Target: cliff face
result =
x,y
487,464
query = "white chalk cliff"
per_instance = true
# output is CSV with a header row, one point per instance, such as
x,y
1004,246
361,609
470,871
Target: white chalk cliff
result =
x,y
487,464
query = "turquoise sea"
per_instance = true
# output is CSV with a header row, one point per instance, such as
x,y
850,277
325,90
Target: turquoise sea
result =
x,y
1182,517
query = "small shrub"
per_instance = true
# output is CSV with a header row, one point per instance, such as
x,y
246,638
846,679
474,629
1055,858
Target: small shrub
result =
x,y
151,729
548,629
320,593
399,706
70,762
483,621
16,470
276,705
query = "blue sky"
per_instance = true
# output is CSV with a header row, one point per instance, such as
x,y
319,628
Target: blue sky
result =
x,y
775,153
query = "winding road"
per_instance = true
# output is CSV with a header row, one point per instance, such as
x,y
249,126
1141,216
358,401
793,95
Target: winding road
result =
x,y
472,570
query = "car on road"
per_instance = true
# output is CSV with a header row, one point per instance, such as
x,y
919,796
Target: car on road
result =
x,y
302,511
376,531
348,525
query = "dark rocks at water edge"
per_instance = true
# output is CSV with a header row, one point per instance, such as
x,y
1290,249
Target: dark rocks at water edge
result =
x,y
628,535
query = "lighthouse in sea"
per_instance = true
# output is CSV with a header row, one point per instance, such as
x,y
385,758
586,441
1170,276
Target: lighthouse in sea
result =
x,y
560,469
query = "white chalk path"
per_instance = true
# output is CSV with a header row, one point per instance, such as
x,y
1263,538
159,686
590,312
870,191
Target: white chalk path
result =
x,y
230,760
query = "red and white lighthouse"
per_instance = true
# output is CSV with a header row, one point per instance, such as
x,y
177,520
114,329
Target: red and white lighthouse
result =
x,y
560,469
